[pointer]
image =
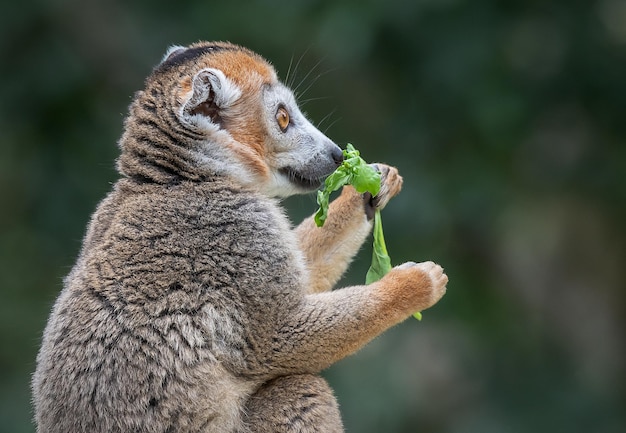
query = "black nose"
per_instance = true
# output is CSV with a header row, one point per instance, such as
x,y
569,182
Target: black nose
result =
x,y
337,154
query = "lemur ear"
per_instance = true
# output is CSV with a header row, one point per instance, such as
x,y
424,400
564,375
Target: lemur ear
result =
x,y
172,51
211,93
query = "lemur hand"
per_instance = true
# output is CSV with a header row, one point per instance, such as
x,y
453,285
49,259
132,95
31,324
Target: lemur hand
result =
x,y
413,287
390,186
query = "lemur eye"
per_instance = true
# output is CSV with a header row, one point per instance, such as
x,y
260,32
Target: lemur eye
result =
x,y
282,118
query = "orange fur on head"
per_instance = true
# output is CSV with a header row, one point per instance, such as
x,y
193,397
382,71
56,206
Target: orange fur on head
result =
x,y
244,120
250,74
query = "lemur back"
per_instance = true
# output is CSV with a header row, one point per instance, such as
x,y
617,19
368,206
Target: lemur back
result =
x,y
194,306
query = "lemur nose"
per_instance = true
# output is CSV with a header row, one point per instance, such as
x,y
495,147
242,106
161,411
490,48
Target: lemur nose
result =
x,y
337,155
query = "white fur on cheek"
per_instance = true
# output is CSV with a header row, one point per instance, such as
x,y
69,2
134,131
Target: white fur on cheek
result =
x,y
280,186
217,156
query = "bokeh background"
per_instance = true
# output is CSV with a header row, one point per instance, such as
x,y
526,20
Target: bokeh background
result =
x,y
506,119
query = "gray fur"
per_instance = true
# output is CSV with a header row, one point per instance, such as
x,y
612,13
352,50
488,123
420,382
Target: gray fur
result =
x,y
188,309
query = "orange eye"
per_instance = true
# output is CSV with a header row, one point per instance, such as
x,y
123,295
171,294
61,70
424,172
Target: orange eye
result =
x,y
282,118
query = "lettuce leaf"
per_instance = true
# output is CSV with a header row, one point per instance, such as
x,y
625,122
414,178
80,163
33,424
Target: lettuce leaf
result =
x,y
352,171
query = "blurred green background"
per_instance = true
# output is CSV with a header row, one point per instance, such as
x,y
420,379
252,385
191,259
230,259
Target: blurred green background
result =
x,y
506,120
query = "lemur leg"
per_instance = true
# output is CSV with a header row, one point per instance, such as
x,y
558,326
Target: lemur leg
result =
x,y
329,249
299,403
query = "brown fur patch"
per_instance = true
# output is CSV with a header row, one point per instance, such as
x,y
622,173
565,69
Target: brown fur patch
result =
x,y
185,85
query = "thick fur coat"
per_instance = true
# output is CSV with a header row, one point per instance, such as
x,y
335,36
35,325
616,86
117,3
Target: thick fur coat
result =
x,y
194,306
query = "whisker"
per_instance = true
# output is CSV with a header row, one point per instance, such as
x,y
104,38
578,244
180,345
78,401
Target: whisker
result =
x,y
295,91
331,124
319,98
289,68
295,69
325,118
321,74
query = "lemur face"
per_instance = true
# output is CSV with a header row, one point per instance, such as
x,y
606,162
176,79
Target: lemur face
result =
x,y
300,155
241,121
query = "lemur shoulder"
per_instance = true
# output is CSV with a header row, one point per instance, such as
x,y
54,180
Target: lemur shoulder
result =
x,y
194,306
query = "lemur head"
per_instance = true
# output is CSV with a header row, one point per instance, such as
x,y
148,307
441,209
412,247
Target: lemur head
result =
x,y
218,109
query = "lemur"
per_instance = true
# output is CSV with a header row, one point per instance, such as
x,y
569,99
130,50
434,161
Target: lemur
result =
x,y
194,305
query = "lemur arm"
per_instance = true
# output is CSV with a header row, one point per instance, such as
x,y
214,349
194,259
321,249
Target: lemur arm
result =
x,y
330,326
329,249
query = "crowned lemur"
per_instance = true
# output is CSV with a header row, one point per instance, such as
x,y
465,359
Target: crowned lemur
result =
x,y
194,305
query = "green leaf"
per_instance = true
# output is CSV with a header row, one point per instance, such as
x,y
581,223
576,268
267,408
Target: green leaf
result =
x,y
322,211
366,178
337,179
352,171
381,262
